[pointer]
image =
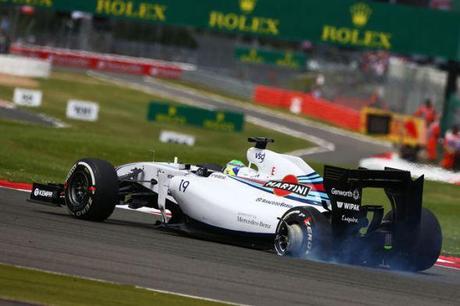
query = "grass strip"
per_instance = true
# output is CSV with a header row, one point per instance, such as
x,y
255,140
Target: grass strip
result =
x,y
33,286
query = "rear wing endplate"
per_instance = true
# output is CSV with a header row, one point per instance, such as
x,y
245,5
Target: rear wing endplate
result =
x,y
344,187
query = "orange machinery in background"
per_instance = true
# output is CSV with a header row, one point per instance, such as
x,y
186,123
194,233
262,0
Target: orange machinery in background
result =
x,y
405,130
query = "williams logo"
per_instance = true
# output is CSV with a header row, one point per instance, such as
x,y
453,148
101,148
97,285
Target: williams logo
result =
x,y
355,35
288,185
243,21
247,6
360,13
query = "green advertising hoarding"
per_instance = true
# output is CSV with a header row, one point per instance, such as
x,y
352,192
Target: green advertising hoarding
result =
x,y
188,115
286,59
360,24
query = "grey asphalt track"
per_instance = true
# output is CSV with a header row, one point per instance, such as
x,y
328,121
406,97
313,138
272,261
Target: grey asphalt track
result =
x,y
128,249
348,149
4,302
24,116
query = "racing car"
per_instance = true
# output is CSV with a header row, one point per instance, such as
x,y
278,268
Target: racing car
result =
x,y
277,202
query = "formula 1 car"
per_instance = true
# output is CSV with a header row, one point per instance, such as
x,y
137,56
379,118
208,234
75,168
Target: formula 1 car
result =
x,y
283,206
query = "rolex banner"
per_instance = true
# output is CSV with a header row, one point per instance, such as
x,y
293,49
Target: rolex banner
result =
x,y
359,24
287,59
188,115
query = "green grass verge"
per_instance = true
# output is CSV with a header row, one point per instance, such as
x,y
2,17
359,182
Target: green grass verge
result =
x,y
122,134
27,285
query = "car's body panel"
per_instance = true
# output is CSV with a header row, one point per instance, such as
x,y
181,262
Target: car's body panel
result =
x,y
234,203
249,202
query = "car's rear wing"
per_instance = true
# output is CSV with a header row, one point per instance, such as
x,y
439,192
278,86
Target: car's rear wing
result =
x,y
345,186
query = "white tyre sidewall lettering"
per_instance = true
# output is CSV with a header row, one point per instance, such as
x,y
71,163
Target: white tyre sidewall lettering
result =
x,y
93,183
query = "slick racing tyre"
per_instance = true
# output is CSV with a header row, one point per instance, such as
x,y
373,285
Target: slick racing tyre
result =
x,y
305,233
427,247
91,189
429,243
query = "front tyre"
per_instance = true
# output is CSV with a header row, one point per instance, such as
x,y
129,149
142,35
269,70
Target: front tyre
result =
x,y
91,189
305,233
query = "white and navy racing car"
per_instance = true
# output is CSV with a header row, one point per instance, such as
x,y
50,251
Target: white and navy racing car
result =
x,y
276,202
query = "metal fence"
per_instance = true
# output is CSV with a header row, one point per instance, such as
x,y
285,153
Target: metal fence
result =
x,y
408,85
343,76
222,83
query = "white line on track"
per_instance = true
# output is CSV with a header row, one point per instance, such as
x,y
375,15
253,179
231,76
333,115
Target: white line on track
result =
x,y
191,296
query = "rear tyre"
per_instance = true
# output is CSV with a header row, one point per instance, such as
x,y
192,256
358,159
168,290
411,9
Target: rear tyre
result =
x,y
427,247
429,243
303,232
91,189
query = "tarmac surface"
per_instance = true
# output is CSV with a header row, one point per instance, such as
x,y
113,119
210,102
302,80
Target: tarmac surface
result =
x,y
16,114
127,248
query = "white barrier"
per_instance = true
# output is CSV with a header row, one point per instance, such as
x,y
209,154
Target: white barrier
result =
x,y
25,67
27,97
82,110
103,61
173,137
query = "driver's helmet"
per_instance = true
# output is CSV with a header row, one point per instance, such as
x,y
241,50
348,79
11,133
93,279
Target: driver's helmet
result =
x,y
233,167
